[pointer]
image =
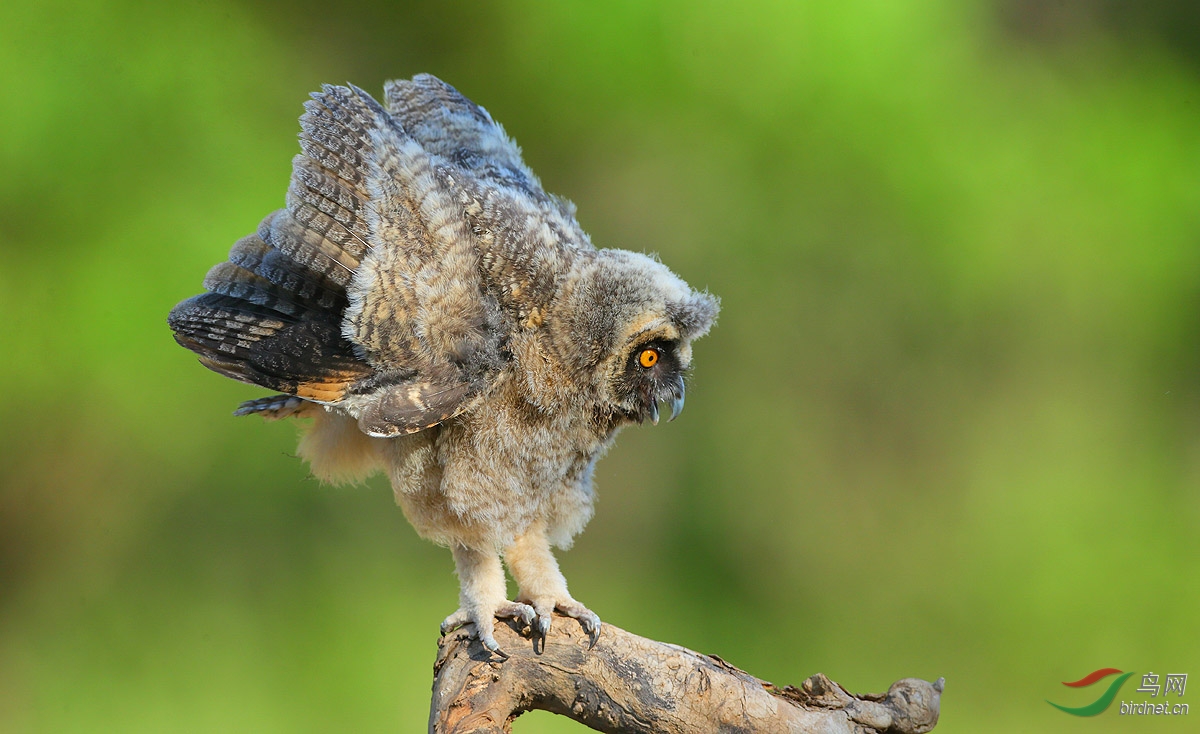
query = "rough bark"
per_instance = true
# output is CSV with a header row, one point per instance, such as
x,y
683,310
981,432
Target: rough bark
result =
x,y
631,684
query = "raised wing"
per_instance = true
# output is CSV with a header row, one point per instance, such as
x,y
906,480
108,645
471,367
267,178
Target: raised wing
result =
x,y
365,291
526,238
450,126
272,321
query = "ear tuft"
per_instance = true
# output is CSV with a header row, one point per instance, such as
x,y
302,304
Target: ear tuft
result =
x,y
696,315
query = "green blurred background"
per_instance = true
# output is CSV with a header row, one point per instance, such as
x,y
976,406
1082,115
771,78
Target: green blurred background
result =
x,y
949,423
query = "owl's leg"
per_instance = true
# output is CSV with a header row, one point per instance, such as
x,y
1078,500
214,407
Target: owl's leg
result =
x,y
482,597
542,585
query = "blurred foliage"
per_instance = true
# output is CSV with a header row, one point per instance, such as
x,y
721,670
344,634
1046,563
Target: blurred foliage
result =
x,y
949,423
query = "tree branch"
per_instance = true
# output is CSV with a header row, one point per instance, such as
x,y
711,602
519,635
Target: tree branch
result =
x,y
629,684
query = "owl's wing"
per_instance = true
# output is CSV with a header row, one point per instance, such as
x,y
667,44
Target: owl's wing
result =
x,y
526,237
364,292
272,318
450,126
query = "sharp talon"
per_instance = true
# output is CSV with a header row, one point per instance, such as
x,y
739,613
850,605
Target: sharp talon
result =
x,y
541,628
587,619
453,622
490,644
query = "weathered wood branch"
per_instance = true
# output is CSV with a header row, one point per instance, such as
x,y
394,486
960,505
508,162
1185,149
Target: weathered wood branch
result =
x,y
630,684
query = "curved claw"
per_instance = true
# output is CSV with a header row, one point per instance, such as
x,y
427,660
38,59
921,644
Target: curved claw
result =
x,y
539,632
454,621
489,643
591,625
523,614
587,620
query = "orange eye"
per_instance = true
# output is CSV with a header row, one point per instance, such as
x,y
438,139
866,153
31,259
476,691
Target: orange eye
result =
x,y
648,358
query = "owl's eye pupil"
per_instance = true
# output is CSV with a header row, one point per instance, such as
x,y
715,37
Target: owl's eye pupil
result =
x,y
648,358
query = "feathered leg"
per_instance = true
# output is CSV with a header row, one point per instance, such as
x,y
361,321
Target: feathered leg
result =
x,y
541,584
482,597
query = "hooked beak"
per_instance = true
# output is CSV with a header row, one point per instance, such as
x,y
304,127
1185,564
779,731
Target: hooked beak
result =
x,y
677,403
675,395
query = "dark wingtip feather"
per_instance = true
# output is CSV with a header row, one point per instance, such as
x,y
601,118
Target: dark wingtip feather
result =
x,y
274,407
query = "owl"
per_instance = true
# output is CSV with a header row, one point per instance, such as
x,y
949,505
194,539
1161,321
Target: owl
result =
x,y
440,318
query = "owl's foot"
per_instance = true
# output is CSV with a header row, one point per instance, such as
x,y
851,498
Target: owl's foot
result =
x,y
545,607
543,587
485,624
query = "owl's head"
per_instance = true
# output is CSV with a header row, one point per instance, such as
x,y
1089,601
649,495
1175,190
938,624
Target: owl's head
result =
x,y
638,320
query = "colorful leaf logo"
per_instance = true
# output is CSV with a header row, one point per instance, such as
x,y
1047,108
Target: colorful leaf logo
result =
x,y
1100,704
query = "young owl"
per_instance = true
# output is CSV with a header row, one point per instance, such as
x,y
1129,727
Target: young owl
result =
x,y
444,320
